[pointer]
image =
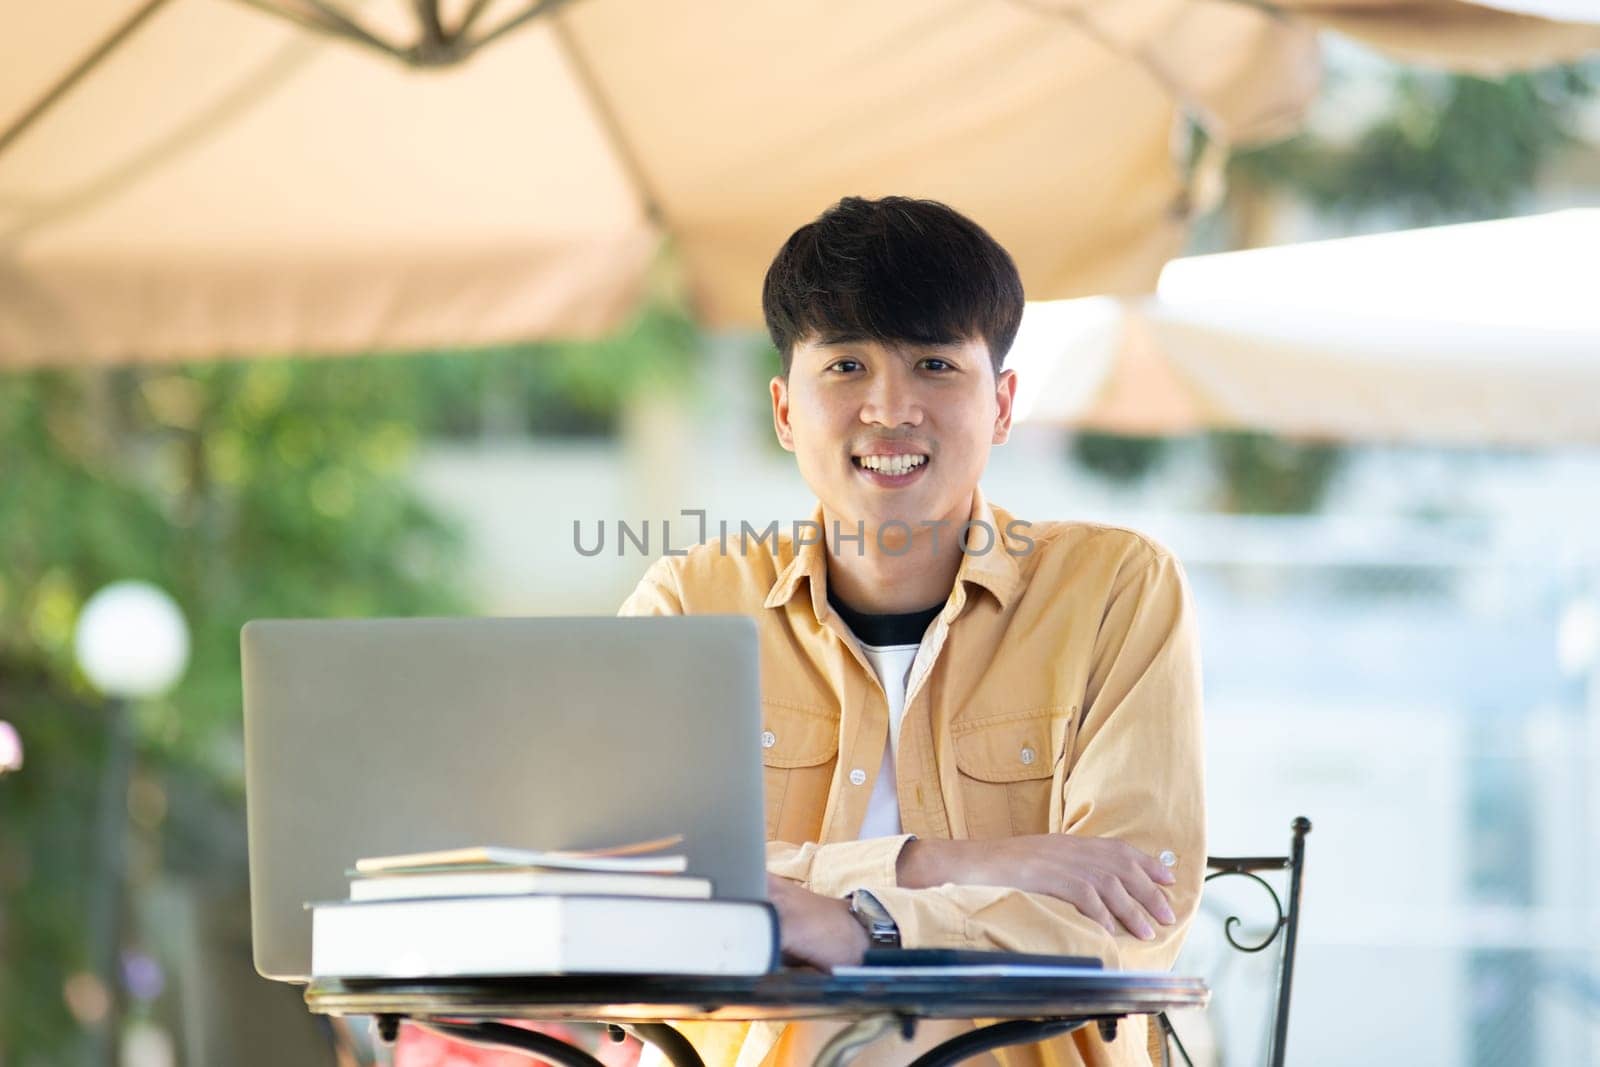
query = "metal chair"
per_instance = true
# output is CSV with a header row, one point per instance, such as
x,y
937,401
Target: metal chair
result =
x,y
1162,1036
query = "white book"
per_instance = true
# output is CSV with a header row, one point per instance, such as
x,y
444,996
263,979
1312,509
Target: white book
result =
x,y
542,935
524,882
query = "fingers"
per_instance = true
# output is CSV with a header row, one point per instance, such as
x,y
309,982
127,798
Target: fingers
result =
x,y
1128,911
1083,896
1152,900
1113,884
1138,882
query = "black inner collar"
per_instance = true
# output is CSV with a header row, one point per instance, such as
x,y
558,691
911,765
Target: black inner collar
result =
x,y
880,630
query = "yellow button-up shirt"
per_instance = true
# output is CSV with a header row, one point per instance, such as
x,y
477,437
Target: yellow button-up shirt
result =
x,y
1058,691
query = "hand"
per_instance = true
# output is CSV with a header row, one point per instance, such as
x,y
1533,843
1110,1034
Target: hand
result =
x,y
814,929
1107,880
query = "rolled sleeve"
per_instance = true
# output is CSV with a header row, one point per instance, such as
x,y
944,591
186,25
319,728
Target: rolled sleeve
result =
x,y
840,868
999,919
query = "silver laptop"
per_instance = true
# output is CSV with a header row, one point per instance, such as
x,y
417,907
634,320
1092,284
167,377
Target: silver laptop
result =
x,y
381,736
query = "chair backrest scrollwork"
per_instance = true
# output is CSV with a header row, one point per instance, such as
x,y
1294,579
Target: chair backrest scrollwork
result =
x,y
1287,924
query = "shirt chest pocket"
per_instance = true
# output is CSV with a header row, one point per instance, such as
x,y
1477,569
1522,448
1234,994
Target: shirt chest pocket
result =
x,y
1007,766
799,747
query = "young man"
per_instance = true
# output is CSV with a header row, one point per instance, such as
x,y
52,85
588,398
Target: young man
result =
x,y
979,732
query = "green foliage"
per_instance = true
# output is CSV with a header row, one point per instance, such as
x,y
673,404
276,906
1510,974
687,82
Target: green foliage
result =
x,y
1116,458
573,388
46,859
1451,147
243,490
1259,472
1270,475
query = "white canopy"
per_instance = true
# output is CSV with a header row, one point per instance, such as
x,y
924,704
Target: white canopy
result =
x,y
1481,333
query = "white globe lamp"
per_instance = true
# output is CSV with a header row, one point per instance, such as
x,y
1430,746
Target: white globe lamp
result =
x,y
131,641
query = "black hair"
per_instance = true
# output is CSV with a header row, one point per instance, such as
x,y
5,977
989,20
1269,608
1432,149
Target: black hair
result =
x,y
892,270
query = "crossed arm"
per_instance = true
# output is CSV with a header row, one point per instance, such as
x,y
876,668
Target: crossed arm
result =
x,y
1107,881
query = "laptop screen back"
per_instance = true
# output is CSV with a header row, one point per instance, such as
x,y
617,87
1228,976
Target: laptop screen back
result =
x,y
380,736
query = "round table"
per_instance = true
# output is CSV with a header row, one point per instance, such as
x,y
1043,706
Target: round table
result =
x,y
1031,1007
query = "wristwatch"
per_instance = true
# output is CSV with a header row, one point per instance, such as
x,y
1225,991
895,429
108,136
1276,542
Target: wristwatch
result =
x,y
882,930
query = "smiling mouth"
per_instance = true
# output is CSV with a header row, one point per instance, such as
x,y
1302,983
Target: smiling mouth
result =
x,y
891,466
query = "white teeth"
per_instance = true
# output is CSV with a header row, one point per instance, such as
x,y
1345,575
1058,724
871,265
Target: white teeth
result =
x,y
892,464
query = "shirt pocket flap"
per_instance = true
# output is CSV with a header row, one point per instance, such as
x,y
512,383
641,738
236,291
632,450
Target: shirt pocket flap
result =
x,y
793,736
1010,748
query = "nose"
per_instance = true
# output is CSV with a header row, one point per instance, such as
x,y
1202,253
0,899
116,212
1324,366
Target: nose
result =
x,y
891,399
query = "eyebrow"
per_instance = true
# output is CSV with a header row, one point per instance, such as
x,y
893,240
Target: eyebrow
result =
x,y
913,346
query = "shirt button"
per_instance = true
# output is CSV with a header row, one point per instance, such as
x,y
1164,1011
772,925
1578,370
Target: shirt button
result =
x,y
1168,858
768,739
858,776
1027,755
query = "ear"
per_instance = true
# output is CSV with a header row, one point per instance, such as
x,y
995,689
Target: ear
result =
x,y
1005,394
780,412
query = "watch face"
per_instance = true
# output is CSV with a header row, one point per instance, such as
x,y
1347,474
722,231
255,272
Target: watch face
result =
x,y
870,908
875,918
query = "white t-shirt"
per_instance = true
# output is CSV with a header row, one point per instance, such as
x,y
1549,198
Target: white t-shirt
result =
x,y
892,663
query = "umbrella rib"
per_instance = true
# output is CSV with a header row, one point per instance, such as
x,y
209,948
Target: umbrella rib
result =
x,y
350,26
428,16
322,26
1217,154
270,75
1161,77
470,19
1266,7
299,18
608,121
539,8
77,73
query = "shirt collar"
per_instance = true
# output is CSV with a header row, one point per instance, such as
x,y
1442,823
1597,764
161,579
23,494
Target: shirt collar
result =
x,y
810,562
995,569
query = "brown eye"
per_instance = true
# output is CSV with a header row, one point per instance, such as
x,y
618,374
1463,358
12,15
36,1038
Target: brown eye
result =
x,y
845,365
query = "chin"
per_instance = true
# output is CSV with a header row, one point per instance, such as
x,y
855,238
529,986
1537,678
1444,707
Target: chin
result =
x,y
910,512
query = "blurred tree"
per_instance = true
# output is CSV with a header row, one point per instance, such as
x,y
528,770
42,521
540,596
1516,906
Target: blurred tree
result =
x,y
245,489
1267,474
46,861
553,389
1450,148
1115,457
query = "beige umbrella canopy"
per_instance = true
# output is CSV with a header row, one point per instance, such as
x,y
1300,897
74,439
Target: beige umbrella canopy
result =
x,y
1485,333
195,178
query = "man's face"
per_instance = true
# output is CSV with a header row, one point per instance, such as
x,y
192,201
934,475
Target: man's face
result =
x,y
892,431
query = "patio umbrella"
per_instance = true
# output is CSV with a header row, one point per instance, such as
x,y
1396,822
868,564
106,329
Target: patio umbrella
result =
x,y
199,178
1484,333
1485,37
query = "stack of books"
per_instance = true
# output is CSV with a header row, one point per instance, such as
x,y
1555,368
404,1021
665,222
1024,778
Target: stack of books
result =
x,y
490,911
